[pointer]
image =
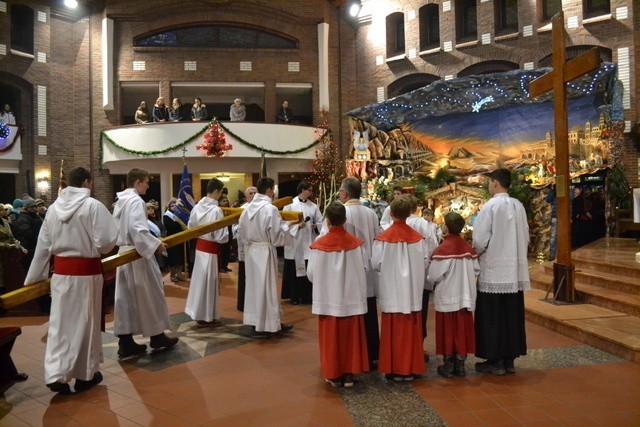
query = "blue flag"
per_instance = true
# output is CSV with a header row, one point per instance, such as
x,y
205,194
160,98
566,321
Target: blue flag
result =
x,y
185,194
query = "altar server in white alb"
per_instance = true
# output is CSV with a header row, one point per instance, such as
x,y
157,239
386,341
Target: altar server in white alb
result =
x,y
295,285
76,232
337,270
140,306
261,230
400,255
203,299
363,223
501,238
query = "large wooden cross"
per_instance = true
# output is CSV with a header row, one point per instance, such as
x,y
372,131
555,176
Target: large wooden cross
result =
x,y
556,80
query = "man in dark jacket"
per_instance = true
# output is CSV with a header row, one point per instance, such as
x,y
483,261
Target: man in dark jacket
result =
x,y
26,229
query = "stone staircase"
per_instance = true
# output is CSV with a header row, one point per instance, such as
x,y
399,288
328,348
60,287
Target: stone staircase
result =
x,y
607,312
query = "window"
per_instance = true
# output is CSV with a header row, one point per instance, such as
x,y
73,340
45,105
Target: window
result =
x,y
550,8
22,28
429,27
466,21
224,36
591,8
395,34
409,83
506,16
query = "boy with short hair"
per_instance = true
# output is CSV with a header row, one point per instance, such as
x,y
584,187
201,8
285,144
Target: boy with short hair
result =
x,y
453,270
337,270
401,256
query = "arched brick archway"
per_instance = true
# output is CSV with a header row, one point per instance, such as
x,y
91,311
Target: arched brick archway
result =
x,y
411,82
573,51
488,67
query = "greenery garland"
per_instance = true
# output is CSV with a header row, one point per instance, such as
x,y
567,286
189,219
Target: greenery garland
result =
x,y
215,121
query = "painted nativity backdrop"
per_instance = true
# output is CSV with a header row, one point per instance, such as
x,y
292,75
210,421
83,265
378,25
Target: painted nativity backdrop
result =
x,y
440,140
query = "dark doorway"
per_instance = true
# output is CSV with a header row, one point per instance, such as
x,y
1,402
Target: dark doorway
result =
x,y
8,187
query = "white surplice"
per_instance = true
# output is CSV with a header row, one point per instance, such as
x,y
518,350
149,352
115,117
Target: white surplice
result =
x,y
402,267
363,223
140,306
339,282
501,238
298,250
386,220
76,225
203,299
261,230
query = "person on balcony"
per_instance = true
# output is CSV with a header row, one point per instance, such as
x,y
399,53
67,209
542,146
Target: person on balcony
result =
x,y
142,114
238,112
199,111
176,114
284,113
6,115
160,111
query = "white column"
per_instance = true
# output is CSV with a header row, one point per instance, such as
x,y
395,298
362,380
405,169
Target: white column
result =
x,y
323,65
166,182
107,64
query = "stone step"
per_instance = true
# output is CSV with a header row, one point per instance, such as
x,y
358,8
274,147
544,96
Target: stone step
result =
x,y
612,299
591,276
606,329
601,266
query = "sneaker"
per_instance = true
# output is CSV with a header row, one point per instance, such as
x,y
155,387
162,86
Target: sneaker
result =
x,y
493,367
82,385
163,341
59,387
408,378
285,327
509,366
348,381
398,378
336,382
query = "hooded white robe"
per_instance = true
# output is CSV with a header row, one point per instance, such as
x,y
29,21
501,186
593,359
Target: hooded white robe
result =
x,y
203,300
261,230
140,306
76,225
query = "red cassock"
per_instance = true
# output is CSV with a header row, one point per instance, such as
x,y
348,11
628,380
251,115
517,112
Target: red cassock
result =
x,y
343,345
455,333
401,344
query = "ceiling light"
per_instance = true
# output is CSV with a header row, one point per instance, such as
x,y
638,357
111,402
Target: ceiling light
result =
x,y
71,3
354,9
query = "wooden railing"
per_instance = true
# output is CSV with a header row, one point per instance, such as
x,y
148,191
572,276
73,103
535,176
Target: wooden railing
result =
x,y
31,292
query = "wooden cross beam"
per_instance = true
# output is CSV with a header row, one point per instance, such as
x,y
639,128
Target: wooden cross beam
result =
x,y
28,293
556,80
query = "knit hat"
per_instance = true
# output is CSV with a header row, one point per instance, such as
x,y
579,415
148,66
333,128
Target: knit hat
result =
x,y
39,202
29,203
17,203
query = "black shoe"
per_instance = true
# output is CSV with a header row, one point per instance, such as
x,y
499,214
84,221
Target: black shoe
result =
x,y
59,387
509,366
162,341
458,368
132,348
82,385
446,370
259,334
285,327
21,376
493,367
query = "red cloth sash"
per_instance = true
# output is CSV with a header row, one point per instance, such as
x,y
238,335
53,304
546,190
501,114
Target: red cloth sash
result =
x,y
337,239
76,266
208,246
400,232
454,246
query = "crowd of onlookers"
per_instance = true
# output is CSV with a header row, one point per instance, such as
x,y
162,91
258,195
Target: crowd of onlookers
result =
x,y
179,112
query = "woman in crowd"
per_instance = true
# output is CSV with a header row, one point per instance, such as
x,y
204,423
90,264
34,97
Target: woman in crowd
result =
x,y
175,115
237,112
142,114
199,111
160,111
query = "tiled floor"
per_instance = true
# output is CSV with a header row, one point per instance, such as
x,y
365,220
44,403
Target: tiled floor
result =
x,y
222,377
